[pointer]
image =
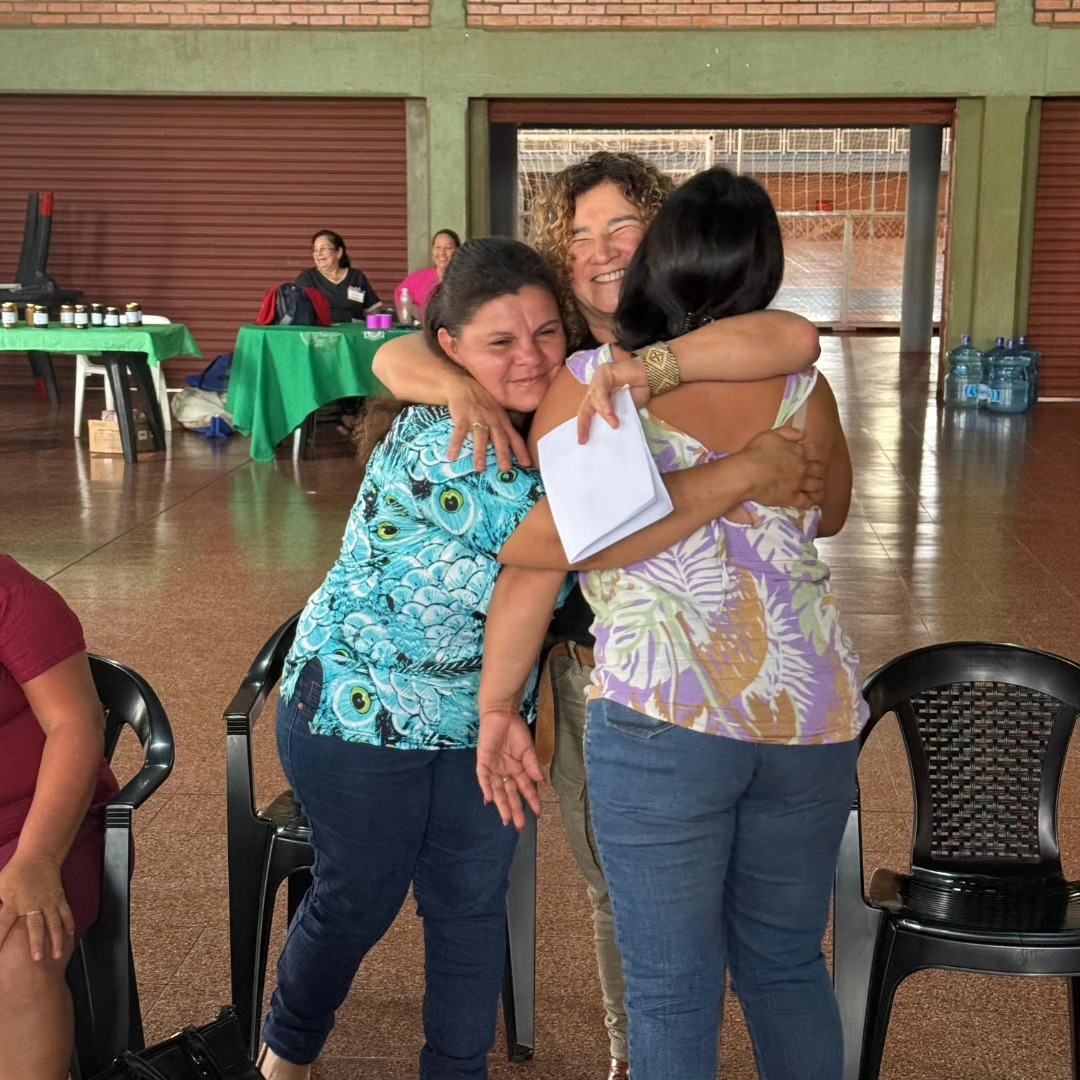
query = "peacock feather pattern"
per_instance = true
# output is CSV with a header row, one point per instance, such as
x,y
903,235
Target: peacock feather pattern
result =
x,y
398,624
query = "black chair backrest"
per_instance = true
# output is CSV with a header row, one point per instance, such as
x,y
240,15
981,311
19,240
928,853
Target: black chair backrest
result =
x,y
244,711
101,973
130,701
986,728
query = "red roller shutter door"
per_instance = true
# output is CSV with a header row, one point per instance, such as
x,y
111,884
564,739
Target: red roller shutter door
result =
x,y
196,206
1054,306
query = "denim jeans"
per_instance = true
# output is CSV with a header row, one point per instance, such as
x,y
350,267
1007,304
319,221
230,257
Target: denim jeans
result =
x,y
719,856
382,819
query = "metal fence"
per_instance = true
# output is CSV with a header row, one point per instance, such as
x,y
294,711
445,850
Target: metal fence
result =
x,y
840,194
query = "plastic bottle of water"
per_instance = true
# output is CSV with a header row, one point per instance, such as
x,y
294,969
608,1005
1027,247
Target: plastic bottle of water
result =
x,y
964,377
988,358
1008,382
1034,356
405,308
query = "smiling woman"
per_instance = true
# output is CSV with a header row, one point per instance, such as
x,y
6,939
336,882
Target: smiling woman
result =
x,y
345,286
588,222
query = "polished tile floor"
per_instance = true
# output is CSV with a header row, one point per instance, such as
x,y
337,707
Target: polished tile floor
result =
x,y
961,527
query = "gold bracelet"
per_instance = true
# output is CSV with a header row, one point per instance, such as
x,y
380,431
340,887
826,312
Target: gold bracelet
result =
x,y
661,368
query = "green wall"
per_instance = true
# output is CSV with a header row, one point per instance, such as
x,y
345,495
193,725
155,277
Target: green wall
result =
x,y
998,73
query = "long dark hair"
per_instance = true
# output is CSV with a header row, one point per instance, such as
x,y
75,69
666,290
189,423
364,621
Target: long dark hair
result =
x,y
337,242
481,270
714,249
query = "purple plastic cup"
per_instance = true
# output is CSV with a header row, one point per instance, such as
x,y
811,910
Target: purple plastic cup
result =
x,y
385,321
374,322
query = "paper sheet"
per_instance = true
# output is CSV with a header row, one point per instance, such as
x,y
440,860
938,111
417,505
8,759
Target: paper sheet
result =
x,y
605,490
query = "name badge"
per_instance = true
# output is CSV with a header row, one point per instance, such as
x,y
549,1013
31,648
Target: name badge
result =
x,y
356,294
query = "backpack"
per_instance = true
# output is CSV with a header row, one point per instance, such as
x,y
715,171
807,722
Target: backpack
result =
x,y
291,305
215,376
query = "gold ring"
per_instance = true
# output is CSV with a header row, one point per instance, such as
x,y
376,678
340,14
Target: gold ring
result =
x,y
478,426
27,914
507,779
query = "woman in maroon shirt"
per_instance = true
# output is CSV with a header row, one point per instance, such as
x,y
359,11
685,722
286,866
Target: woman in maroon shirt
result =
x,y
54,785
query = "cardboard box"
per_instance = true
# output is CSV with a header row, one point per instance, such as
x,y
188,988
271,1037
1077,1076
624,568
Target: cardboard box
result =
x,y
105,437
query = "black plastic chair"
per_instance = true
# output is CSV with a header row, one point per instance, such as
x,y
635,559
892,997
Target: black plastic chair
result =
x,y
101,973
986,728
272,845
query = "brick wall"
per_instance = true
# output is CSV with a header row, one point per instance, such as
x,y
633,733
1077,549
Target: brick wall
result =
x,y
360,13
627,14
1058,12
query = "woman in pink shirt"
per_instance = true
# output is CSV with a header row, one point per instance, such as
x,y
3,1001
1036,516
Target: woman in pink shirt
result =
x,y
421,283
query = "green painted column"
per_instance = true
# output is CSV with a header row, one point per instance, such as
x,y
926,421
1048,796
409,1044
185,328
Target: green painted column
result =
x,y
419,182
992,193
448,157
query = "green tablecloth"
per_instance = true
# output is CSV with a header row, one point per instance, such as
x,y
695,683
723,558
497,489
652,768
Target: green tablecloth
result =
x,y
158,342
281,374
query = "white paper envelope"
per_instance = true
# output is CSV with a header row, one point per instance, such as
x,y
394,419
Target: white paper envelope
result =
x,y
605,490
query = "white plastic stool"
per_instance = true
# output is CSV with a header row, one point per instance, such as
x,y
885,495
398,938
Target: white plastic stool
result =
x,y
84,367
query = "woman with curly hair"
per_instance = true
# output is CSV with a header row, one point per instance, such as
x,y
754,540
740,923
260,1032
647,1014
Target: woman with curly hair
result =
x,y
587,222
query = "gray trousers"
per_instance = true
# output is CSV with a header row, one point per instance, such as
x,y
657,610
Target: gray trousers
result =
x,y
569,679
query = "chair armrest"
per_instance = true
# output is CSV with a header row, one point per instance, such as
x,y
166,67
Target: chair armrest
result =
x,y
145,782
248,701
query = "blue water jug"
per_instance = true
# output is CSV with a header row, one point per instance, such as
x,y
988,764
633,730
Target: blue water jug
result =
x,y
1034,356
988,358
964,377
1008,382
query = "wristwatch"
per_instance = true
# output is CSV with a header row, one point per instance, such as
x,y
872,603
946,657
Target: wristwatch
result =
x,y
661,367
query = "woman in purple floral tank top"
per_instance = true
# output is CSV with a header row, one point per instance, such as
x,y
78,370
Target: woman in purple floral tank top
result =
x,y
724,710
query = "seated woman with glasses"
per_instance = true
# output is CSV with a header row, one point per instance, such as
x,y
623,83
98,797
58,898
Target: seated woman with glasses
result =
x,y
347,288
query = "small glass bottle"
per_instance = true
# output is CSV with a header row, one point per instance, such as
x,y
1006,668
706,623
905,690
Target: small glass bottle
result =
x,y
112,317
41,317
97,315
133,314
82,317
67,317
9,315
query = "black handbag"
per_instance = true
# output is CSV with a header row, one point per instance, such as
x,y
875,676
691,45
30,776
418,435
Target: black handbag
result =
x,y
214,1051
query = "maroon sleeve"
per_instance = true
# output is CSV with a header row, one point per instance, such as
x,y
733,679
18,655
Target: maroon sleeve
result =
x,y
37,628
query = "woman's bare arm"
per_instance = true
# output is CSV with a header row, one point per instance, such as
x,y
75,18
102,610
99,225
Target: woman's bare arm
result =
x,y
745,348
774,468
517,620
66,706
824,427
412,371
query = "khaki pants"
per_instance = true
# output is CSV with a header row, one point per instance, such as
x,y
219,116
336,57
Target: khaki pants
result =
x,y
569,678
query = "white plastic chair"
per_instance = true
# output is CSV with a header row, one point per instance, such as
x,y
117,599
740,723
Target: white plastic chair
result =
x,y
84,367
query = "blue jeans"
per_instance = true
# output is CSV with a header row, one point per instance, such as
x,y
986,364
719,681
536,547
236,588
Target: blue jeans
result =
x,y
382,819
719,856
